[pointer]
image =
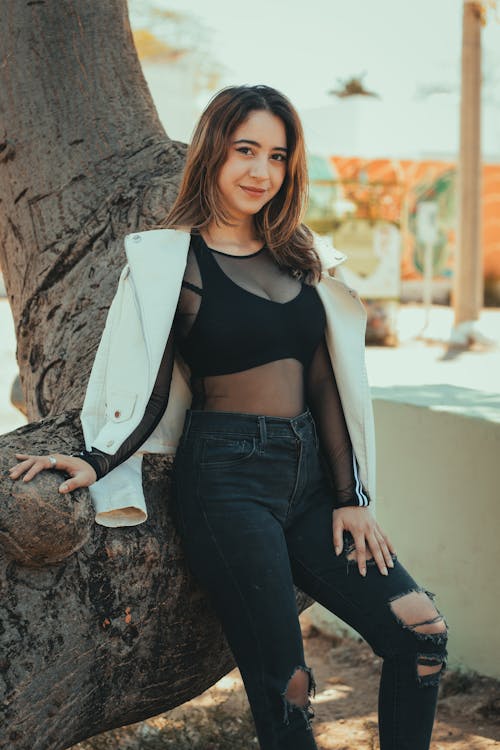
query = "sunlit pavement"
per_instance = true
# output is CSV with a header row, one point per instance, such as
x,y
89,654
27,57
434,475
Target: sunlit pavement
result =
x,y
421,358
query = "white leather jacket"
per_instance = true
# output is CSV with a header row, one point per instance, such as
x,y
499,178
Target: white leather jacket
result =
x,y
139,321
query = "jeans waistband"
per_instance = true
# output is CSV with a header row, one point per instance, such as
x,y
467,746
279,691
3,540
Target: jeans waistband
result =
x,y
252,425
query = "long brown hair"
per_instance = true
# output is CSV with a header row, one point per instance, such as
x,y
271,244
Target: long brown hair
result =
x,y
279,222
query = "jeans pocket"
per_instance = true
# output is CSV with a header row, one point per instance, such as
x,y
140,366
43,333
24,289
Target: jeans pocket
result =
x,y
219,451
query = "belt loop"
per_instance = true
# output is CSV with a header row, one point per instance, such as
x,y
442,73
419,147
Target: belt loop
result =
x,y
262,430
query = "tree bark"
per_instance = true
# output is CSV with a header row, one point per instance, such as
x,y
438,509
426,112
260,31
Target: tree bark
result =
x,y
99,627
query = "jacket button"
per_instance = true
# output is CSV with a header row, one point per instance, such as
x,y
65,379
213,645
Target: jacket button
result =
x,y
110,442
117,413
136,237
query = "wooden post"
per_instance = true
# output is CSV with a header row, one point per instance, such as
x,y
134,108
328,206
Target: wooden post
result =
x,y
468,272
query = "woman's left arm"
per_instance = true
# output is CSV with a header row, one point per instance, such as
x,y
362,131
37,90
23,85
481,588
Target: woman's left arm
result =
x,y
350,507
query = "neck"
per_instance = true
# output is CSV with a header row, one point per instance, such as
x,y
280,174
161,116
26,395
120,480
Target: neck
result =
x,y
240,235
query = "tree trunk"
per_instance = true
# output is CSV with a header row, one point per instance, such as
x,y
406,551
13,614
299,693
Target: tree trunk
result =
x,y
99,627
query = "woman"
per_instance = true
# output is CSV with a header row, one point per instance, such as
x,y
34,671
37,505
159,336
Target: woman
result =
x,y
273,471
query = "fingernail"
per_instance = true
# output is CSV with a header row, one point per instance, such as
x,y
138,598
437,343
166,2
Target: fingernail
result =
x,y
363,571
390,564
337,550
385,571
63,487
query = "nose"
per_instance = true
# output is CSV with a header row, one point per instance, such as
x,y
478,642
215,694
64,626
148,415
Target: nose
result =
x,y
259,167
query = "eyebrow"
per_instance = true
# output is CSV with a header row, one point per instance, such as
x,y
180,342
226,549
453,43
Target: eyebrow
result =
x,y
254,143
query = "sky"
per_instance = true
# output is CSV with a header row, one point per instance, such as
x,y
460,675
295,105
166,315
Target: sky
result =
x,y
303,48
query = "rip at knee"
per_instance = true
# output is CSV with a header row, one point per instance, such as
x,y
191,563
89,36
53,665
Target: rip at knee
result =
x,y
296,694
430,667
416,612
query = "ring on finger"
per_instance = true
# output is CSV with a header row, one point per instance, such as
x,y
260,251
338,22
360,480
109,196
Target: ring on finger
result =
x,y
52,462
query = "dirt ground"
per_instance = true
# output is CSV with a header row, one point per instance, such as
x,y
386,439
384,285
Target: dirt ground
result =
x,y
345,706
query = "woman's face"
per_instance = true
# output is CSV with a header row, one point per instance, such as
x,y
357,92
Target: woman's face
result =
x,y
256,158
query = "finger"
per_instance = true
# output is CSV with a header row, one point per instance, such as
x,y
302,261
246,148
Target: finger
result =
x,y
390,545
35,469
338,539
359,541
19,456
377,553
18,469
69,485
385,551
386,540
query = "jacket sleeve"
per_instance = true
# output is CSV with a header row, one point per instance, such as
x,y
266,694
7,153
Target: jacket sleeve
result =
x,y
324,402
102,462
186,311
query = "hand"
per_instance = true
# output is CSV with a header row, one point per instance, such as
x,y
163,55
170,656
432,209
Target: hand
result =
x,y
364,529
82,474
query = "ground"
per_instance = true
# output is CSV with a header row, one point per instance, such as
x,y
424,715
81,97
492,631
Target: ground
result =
x,y
346,673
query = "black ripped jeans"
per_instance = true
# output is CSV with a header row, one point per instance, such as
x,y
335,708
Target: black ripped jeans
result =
x,y
254,510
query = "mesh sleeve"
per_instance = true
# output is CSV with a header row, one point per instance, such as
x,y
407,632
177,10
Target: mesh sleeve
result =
x,y
324,402
101,462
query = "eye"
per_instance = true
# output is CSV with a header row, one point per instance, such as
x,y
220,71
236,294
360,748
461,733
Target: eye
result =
x,y
244,149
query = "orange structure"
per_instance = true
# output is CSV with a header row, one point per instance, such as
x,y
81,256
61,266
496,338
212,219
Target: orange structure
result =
x,y
391,189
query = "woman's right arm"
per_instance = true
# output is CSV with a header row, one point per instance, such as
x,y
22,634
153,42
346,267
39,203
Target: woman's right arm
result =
x,y
187,309
101,462
86,467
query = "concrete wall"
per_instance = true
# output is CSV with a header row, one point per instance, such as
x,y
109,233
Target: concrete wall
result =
x,y
438,460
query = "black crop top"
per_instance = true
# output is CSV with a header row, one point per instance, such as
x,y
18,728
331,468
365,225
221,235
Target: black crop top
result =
x,y
254,339
237,329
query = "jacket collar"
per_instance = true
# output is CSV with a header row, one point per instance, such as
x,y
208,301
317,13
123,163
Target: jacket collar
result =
x,y
159,238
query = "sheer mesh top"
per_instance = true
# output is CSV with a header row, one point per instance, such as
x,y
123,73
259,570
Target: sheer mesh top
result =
x,y
253,336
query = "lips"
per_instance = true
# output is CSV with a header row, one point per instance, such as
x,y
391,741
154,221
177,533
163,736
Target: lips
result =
x,y
252,191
